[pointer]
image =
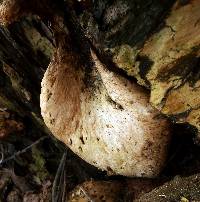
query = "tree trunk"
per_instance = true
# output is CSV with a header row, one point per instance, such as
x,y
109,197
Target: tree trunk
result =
x,y
158,44
155,42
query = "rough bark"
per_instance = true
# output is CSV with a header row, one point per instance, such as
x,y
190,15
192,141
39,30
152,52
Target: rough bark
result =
x,y
178,189
155,42
162,54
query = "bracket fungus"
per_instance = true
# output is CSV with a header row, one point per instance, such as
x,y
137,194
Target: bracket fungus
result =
x,y
104,118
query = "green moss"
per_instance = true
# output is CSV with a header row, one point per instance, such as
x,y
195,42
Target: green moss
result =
x,y
38,166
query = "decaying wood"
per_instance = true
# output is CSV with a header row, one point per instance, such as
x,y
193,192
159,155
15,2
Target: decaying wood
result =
x,y
157,42
178,189
167,62
174,76
25,53
113,132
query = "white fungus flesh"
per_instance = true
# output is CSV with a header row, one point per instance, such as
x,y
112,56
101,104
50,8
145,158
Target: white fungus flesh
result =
x,y
101,116
104,118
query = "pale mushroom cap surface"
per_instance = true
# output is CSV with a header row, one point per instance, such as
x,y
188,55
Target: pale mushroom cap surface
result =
x,y
110,123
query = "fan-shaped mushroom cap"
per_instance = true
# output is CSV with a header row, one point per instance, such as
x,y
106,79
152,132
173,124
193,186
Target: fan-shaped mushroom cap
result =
x,y
108,122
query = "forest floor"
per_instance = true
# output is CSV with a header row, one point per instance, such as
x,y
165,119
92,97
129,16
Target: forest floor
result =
x,y
37,167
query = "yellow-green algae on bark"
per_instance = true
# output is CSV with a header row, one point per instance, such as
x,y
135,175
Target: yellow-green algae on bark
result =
x,y
173,76
125,58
